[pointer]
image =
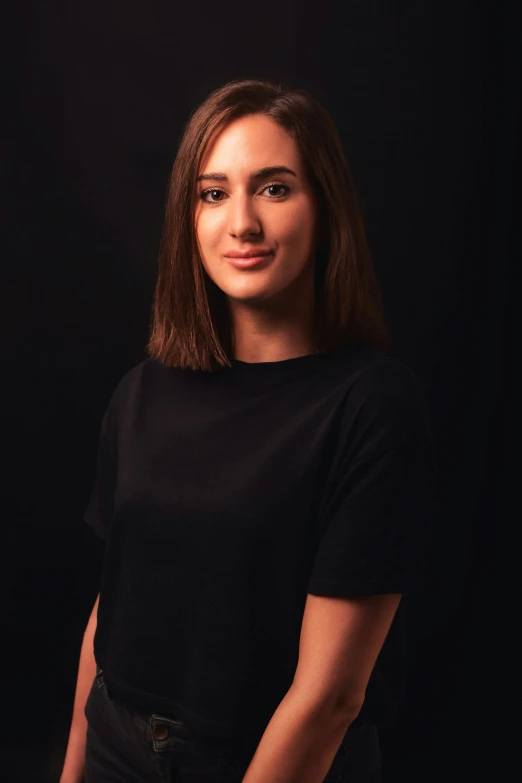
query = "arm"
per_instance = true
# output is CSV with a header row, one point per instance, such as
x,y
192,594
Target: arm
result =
x,y
340,641
74,763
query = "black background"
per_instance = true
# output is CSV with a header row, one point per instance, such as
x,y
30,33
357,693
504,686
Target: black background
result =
x,y
426,99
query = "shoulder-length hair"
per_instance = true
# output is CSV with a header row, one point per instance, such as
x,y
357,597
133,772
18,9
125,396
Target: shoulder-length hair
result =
x,y
190,324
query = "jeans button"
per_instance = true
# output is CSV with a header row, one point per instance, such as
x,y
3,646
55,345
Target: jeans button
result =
x,y
160,732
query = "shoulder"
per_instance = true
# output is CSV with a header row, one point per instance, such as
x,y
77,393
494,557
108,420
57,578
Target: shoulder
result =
x,y
369,375
386,380
131,384
385,401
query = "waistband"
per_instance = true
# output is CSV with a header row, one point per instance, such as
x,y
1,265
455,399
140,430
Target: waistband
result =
x,y
360,726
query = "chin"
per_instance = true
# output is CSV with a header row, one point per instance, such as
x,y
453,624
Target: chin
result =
x,y
258,295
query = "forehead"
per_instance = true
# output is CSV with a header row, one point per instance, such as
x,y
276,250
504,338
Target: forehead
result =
x,y
248,143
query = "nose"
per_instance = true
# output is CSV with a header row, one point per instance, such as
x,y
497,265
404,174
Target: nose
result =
x,y
243,218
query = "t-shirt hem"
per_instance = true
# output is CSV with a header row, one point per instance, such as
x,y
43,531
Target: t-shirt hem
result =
x,y
335,589
155,704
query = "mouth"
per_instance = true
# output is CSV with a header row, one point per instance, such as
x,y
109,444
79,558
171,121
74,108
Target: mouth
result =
x,y
246,263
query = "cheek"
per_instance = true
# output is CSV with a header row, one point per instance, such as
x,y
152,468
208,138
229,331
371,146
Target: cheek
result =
x,y
299,233
208,228
296,229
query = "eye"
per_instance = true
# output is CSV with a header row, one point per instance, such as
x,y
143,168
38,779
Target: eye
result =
x,y
204,193
278,185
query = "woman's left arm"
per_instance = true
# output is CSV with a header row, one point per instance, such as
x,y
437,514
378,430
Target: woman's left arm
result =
x,y
340,641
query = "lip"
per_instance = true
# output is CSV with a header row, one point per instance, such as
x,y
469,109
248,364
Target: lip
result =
x,y
253,253
246,263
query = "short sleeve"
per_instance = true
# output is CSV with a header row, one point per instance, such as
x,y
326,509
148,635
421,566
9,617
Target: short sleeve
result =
x,y
376,531
98,513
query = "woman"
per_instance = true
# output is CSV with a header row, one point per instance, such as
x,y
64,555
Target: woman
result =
x,y
264,478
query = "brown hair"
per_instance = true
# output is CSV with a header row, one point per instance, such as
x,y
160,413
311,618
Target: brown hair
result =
x,y
190,325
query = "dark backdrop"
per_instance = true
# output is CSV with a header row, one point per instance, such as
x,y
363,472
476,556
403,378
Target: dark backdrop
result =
x,y
426,100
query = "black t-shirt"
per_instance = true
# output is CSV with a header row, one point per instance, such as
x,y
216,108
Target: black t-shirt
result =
x,y
225,497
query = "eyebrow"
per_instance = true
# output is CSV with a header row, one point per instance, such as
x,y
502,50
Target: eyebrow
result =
x,y
268,171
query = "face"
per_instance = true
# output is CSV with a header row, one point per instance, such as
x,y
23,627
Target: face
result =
x,y
239,209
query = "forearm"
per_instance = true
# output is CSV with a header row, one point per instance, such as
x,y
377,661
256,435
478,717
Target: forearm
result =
x,y
74,763
299,743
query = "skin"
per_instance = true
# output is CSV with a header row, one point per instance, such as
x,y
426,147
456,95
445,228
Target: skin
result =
x,y
271,307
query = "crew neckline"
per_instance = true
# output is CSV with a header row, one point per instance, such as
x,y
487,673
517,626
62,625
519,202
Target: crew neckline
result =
x,y
282,366
278,366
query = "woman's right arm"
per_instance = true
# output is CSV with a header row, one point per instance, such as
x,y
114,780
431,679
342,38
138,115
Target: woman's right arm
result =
x,y
74,764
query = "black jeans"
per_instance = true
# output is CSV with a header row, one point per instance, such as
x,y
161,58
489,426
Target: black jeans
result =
x,y
125,745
